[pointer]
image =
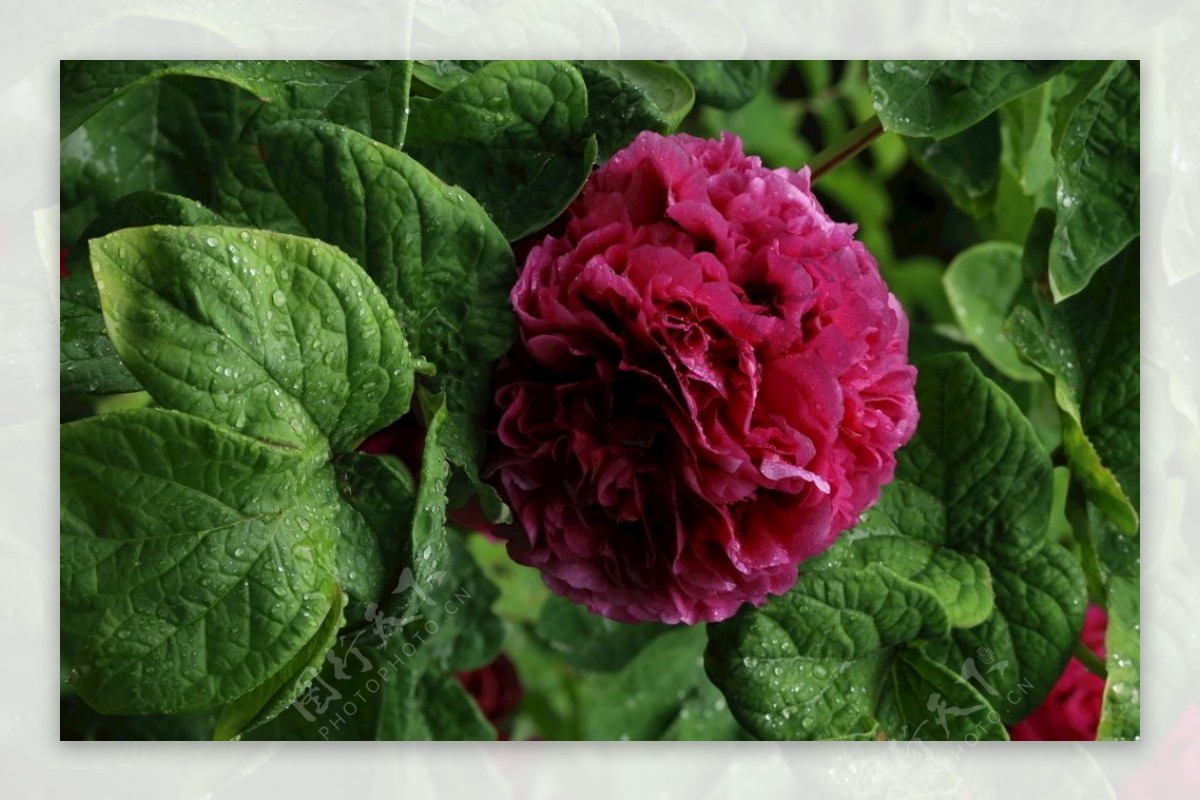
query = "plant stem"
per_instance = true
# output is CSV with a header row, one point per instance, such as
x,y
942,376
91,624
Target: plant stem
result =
x,y
846,148
1090,660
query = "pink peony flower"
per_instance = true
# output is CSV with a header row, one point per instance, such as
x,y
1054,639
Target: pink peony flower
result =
x,y
1072,709
710,383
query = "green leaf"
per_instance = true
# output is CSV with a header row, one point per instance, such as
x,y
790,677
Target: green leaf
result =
x,y
271,698
167,136
704,715
367,693
467,633
1119,555
983,283
628,97
589,641
429,549
513,135
376,104
383,492
966,165
434,76
1097,149
78,721
767,125
438,708
1120,716
810,664
87,361
1025,644
522,591
941,98
1088,346
442,265
925,700
961,582
88,86
917,284
726,84
463,440
285,339
655,695
441,595
1026,125
196,562
975,452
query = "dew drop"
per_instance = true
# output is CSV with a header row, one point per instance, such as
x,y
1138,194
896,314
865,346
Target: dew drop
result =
x,y
239,552
278,298
211,241
244,236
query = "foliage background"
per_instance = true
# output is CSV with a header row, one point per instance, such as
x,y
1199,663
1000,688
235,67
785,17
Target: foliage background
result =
x,y
952,223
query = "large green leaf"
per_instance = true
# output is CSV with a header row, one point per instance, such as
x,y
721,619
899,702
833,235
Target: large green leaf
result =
x,y
87,361
514,135
441,600
961,582
86,87
966,165
391,693
376,104
941,98
522,591
726,84
1020,651
1097,150
982,284
812,664
382,490
168,136
468,634
589,641
441,263
977,454
922,693
283,338
662,693
1026,125
1120,717
628,97
273,697
197,563
431,77
1088,346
